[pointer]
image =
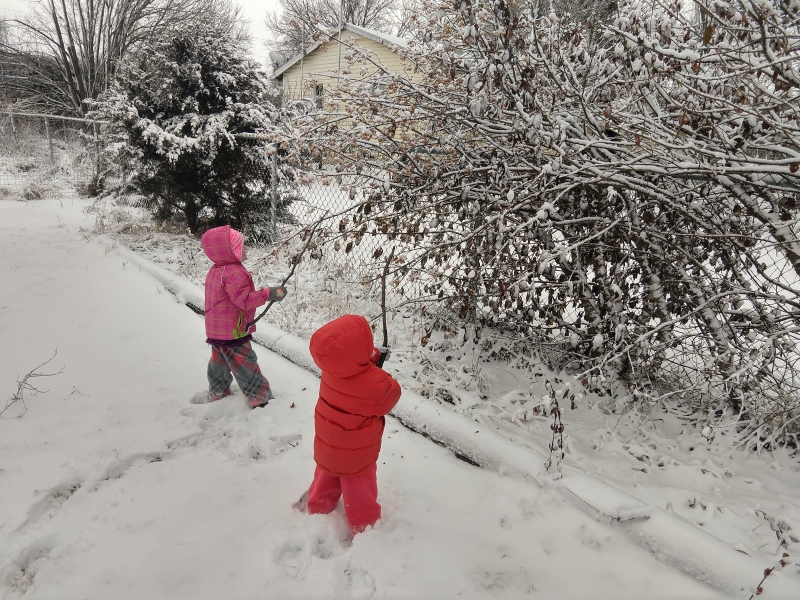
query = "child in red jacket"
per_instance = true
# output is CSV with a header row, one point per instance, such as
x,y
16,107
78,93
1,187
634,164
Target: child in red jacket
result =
x,y
354,396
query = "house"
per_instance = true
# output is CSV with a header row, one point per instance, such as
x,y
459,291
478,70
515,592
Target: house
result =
x,y
317,70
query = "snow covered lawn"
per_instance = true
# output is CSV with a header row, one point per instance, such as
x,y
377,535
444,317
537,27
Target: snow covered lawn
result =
x,y
114,485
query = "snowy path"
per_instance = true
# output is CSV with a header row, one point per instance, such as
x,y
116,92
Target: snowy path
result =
x,y
113,485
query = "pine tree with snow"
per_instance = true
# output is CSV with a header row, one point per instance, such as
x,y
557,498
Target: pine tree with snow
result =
x,y
194,132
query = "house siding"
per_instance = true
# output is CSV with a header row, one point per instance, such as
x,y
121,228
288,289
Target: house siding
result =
x,y
320,66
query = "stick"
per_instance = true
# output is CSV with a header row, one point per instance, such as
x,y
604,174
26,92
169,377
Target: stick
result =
x,y
289,276
382,358
23,385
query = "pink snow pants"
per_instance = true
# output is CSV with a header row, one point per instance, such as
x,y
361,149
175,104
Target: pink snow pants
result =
x,y
360,497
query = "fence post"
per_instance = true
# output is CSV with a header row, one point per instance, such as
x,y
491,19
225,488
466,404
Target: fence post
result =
x,y
49,140
273,204
97,156
13,127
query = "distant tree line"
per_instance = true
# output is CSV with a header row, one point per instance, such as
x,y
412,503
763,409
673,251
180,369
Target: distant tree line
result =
x,y
63,54
298,22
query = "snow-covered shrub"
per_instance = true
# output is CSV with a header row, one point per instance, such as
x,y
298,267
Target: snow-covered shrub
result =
x,y
118,215
623,195
33,191
192,129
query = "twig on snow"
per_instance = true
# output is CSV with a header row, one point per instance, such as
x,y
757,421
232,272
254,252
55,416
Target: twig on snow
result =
x,y
767,572
24,385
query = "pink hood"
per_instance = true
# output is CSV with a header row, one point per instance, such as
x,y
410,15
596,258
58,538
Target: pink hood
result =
x,y
217,246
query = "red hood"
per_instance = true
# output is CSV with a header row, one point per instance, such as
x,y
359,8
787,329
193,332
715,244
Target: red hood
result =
x,y
343,347
217,245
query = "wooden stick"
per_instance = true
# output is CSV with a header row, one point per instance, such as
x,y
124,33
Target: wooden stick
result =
x,y
382,358
297,260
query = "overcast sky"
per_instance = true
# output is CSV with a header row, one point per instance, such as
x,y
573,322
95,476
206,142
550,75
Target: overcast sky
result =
x,y
254,10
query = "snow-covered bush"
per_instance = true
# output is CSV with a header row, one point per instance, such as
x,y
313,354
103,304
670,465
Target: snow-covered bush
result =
x,y
192,129
622,196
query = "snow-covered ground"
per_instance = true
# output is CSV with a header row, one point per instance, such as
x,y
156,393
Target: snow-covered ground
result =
x,y
114,485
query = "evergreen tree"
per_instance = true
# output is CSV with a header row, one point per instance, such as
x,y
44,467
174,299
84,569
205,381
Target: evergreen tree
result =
x,y
177,117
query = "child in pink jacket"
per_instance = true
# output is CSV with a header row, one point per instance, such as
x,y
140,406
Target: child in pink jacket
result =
x,y
230,307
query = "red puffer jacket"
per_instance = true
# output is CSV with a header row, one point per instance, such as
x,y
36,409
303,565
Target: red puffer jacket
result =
x,y
354,394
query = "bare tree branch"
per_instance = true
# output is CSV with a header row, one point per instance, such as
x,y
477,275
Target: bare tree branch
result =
x,y
67,51
24,385
621,194
298,18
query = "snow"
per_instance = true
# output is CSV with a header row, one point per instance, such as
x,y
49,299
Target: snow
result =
x,y
116,485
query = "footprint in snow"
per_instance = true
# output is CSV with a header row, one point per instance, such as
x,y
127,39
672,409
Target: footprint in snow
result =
x,y
331,546
231,426
276,446
503,582
200,398
52,500
229,407
322,539
185,442
19,573
354,583
139,459
302,503
294,557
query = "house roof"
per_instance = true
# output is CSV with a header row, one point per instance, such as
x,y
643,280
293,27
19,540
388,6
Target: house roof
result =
x,y
376,36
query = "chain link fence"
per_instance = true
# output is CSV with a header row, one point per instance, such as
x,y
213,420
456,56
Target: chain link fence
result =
x,y
51,156
329,205
48,156
342,268
333,204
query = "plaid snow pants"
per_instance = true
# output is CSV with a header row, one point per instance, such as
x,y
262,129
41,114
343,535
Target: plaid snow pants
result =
x,y
239,362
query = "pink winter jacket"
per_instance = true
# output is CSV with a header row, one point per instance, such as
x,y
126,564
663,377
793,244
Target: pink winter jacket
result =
x,y
231,297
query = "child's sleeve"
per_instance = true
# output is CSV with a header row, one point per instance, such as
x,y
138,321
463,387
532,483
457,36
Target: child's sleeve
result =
x,y
240,290
376,355
387,394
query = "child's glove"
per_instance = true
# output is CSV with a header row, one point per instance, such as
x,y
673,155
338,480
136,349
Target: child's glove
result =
x,y
385,351
276,294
